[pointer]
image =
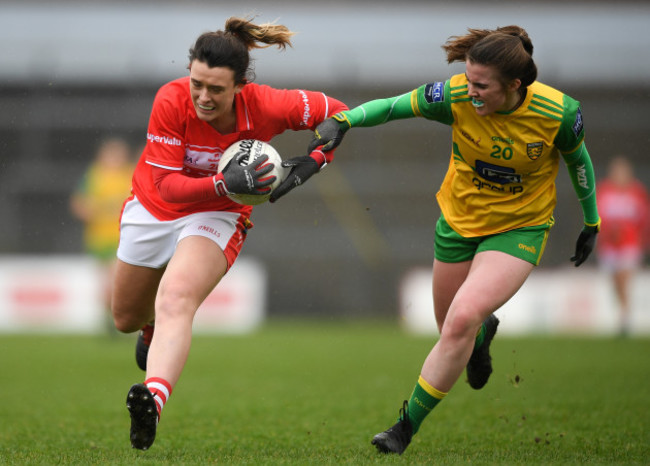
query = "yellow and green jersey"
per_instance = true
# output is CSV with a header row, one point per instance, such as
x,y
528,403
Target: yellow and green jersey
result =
x,y
503,166
103,191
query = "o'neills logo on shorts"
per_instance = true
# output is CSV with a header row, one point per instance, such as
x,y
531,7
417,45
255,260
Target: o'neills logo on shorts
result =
x,y
164,139
527,248
210,230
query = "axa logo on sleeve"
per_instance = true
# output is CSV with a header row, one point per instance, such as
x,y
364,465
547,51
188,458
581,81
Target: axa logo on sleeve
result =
x,y
582,176
434,92
171,141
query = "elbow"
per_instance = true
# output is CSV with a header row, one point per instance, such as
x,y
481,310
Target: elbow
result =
x,y
163,192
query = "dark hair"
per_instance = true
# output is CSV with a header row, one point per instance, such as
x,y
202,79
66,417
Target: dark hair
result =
x,y
230,48
508,49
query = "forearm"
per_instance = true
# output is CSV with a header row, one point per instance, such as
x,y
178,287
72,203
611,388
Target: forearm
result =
x,y
377,112
329,134
581,172
333,106
176,187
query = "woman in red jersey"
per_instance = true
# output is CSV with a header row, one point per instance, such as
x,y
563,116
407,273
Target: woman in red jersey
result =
x,y
625,211
180,232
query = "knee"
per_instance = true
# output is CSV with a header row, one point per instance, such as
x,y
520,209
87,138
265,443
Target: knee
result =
x,y
129,317
175,303
127,322
126,325
462,323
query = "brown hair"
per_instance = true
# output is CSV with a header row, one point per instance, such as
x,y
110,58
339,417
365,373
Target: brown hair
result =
x,y
508,49
230,47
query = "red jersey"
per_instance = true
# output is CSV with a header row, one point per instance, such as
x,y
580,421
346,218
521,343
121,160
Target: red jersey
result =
x,y
178,140
625,215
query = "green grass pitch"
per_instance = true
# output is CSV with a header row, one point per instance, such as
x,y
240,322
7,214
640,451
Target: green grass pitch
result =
x,y
316,393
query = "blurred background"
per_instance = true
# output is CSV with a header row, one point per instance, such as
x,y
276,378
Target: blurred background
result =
x,y
75,73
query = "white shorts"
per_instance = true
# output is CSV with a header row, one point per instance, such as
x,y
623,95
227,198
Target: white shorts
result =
x,y
149,242
617,259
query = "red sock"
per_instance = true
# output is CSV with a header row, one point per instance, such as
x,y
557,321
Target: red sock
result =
x,y
160,389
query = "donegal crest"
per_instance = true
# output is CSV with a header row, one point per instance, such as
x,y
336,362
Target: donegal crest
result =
x,y
534,150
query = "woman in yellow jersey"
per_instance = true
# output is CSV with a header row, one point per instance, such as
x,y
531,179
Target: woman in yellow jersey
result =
x,y
508,134
97,202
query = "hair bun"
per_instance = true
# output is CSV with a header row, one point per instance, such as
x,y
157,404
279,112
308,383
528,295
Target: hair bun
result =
x,y
518,31
527,43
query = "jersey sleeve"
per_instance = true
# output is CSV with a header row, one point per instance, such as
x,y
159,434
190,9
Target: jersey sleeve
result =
x,y
582,176
572,131
165,134
570,141
379,111
299,109
174,186
433,102
430,101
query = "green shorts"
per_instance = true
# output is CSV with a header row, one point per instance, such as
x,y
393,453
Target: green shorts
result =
x,y
526,243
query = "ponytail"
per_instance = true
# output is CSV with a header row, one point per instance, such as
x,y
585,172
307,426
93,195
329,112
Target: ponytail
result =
x,y
230,48
508,49
252,34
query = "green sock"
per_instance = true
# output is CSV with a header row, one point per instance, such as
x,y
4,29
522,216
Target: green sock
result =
x,y
423,399
480,336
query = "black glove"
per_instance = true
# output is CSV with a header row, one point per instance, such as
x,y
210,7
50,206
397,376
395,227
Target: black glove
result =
x,y
302,168
248,179
585,244
329,133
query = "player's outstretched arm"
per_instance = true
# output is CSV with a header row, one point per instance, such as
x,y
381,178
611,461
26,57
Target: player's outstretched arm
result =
x,y
330,132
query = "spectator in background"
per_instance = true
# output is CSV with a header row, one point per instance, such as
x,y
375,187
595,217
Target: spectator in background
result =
x,y
625,211
97,202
